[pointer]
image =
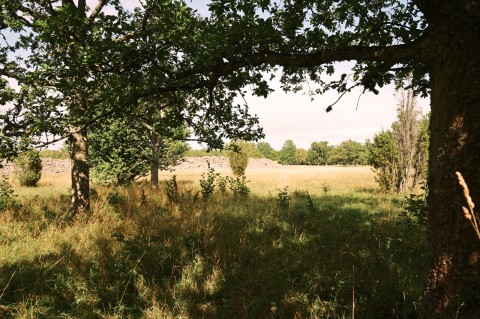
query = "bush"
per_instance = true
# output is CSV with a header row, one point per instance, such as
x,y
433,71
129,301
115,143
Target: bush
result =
x,y
207,183
7,198
28,168
237,158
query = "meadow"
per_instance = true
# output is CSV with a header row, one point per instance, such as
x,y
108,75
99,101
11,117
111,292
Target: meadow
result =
x,y
290,242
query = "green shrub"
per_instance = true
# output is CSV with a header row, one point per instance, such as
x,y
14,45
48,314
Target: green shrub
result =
x,y
283,198
7,198
416,211
239,187
237,158
207,183
28,168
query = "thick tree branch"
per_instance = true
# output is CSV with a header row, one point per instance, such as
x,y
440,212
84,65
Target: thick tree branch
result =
x,y
81,7
97,10
389,54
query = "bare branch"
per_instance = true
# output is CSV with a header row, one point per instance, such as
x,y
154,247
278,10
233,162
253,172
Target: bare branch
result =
x,y
329,108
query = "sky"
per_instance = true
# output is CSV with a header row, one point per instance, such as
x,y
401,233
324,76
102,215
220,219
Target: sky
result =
x,y
294,116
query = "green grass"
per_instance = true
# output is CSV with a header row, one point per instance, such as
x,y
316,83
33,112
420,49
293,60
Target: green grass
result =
x,y
55,154
141,255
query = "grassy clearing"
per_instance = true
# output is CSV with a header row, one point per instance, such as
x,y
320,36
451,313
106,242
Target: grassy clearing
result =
x,y
142,254
266,182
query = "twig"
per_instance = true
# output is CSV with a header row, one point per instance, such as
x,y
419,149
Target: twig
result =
x,y
8,284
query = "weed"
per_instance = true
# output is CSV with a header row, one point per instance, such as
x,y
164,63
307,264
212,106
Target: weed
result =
x,y
207,183
173,195
239,187
115,198
415,212
222,183
305,195
283,198
7,196
326,188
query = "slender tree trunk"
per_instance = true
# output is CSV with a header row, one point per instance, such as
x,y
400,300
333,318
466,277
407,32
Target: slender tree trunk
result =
x,y
453,288
154,163
80,171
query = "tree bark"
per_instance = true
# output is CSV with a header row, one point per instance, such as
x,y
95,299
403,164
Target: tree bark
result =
x,y
80,171
453,287
154,163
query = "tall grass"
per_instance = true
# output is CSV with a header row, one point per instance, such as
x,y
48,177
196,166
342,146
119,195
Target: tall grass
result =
x,y
141,255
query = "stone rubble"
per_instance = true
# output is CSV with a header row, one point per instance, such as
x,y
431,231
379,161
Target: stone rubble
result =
x,y
56,166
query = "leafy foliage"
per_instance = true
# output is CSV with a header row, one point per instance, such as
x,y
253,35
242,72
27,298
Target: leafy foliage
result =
x,y
383,158
283,198
349,153
238,157
118,152
7,196
287,154
172,192
399,156
28,168
122,150
267,151
416,210
207,183
238,186
318,154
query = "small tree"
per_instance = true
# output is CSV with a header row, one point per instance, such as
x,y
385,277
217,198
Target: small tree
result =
x,y
287,154
406,131
420,158
349,153
318,153
267,151
121,150
28,168
301,156
237,157
384,159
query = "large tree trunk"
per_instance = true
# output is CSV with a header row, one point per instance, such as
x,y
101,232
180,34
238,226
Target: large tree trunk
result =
x,y
80,171
454,56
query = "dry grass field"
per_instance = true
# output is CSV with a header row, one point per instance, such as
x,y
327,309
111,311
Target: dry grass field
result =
x,y
328,246
267,181
262,181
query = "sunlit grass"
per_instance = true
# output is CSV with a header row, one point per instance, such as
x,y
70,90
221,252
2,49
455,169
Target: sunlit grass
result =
x,y
139,254
267,181
49,185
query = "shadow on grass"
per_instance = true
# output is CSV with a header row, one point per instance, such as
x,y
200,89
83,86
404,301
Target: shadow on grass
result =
x,y
230,258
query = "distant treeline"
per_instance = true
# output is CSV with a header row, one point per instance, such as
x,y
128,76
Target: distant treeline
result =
x,y
320,153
